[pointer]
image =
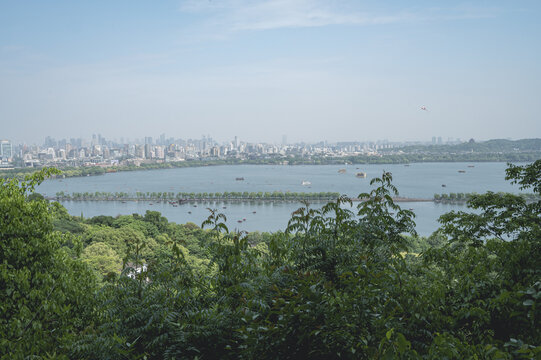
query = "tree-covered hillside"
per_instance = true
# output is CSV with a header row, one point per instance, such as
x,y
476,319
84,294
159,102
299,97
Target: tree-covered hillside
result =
x,y
334,284
483,147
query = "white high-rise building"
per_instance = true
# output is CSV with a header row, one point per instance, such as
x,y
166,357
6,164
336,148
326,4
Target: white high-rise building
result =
x,y
159,152
6,150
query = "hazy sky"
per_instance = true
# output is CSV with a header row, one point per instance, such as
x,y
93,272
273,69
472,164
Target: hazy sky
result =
x,y
310,69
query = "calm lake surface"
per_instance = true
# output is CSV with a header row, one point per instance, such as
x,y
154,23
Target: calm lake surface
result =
x,y
420,180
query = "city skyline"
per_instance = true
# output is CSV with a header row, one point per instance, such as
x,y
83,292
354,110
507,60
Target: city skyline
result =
x,y
311,69
166,139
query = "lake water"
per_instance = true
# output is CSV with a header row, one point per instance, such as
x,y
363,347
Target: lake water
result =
x,y
420,180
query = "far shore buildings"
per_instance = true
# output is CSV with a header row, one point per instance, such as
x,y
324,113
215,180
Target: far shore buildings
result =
x,y
100,151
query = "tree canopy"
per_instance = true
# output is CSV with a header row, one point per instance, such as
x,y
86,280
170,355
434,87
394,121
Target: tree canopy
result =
x,y
337,283
45,289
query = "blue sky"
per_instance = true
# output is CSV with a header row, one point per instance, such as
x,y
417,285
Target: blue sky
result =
x,y
310,69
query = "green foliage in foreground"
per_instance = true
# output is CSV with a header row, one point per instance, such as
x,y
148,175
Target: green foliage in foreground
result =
x,y
336,284
45,290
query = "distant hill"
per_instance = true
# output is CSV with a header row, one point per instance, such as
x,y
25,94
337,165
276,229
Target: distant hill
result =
x,y
490,146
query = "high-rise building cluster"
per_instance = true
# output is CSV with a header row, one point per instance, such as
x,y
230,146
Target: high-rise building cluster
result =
x,y
103,152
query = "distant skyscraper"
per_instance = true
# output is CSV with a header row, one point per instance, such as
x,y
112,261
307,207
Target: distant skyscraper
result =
x,y
148,151
284,139
236,143
148,140
140,151
433,140
440,141
6,150
159,152
50,142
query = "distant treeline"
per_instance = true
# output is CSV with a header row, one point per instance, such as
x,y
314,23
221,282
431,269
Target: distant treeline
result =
x,y
457,198
408,158
191,196
464,157
494,146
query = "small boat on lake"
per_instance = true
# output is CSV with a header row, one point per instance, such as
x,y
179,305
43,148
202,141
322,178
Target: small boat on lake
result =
x,y
443,185
239,179
306,183
462,171
361,175
342,171
470,166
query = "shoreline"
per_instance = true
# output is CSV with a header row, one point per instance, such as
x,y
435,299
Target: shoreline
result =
x,y
406,159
